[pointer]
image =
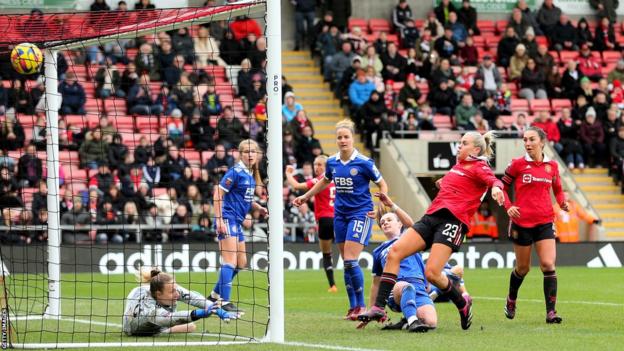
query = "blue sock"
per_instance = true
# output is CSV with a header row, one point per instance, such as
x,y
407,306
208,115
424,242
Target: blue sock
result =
x,y
349,287
224,284
357,281
408,301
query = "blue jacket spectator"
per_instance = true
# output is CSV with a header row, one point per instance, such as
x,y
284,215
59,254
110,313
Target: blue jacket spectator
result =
x,y
211,104
290,107
140,100
459,30
74,96
360,90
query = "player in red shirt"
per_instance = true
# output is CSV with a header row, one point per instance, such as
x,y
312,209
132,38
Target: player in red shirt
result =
x,y
532,218
443,227
324,213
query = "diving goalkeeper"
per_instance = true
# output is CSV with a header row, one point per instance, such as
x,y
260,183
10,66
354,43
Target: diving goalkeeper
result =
x,y
151,308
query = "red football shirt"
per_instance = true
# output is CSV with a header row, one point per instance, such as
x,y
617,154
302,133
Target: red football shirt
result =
x,y
532,184
463,188
324,200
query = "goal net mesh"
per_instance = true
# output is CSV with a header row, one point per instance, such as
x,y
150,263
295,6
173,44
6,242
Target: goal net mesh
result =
x,y
152,107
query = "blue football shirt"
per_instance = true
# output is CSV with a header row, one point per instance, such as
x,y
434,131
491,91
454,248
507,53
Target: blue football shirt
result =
x,y
239,186
352,180
412,267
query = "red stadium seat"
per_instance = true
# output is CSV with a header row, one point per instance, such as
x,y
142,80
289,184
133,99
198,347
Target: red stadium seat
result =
x,y
555,55
122,122
77,120
73,173
479,41
610,57
558,104
538,105
568,56
206,155
442,121
159,191
501,26
147,124
378,25
27,121
519,105
357,22
191,155
486,26
491,41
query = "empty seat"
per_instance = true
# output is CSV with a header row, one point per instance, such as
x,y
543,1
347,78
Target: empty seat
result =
x,y
357,22
558,104
378,25
519,105
537,105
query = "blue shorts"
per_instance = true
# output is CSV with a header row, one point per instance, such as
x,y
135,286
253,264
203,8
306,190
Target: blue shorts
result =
x,y
233,229
422,298
353,228
441,297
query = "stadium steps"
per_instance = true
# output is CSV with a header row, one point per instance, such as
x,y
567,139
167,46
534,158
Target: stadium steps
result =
x,y
606,199
322,107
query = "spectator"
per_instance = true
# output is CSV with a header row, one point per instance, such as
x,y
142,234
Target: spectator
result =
x,y
478,92
6,161
144,5
39,133
116,198
601,105
400,15
153,221
183,45
117,151
571,80
229,128
518,62
211,103
443,72
464,112
507,47
580,109
73,96
583,33
341,10
77,217
605,9
478,123
425,118
182,95
219,164
108,81
306,143
491,76
173,73
205,184
360,90
106,215
324,25
393,64
605,36
585,89
591,135
184,182
611,124
257,93
166,57
564,35
29,168
4,100
173,167
616,150
544,59
502,131
443,10
520,125
328,43
304,22
19,98
554,89
547,17
410,94
410,125
468,17
446,46
410,34
529,16
489,110
373,107
140,100
569,131
285,88
589,65
230,49
442,99
147,62
390,96
503,99
392,124
544,121
103,179
468,54
532,82
298,123
206,49
459,31
432,24
529,42
244,25
291,107
151,173
336,65
518,23
202,134
143,151
129,77
244,80
99,5
93,149
289,149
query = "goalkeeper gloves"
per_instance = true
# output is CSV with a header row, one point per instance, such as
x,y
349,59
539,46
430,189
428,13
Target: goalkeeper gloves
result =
x,y
225,315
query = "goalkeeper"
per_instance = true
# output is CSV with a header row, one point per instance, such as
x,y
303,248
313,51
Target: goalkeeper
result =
x,y
151,308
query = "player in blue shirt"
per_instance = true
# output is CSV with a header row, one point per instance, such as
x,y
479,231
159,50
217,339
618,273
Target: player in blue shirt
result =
x,y
352,174
409,295
232,201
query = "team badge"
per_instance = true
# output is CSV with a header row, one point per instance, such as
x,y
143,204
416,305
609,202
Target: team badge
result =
x,y
228,182
353,171
548,168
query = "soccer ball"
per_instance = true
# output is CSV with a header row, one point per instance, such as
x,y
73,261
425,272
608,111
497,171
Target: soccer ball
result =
x,y
26,58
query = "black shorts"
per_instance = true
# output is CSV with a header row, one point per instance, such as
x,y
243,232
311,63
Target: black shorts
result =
x,y
326,228
441,227
526,236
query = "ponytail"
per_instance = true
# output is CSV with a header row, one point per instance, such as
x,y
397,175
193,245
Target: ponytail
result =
x,y
155,277
483,142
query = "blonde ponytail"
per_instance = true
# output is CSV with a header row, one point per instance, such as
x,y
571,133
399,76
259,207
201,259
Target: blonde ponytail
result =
x,y
145,274
488,139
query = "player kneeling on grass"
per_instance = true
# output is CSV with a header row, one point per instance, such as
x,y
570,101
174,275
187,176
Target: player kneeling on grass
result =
x,y
409,295
151,307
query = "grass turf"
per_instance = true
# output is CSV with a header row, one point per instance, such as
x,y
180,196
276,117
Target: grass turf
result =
x,y
591,302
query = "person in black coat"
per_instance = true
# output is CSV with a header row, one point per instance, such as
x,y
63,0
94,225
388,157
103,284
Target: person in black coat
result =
x,y
468,17
478,92
507,47
29,167
445,45
341,10
183,45
564,35
605,36
394,64
583,33
117,152
230,49
375,106
202,134
570,82
442,99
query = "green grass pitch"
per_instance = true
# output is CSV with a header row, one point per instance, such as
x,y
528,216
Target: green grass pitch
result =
x,y
591,302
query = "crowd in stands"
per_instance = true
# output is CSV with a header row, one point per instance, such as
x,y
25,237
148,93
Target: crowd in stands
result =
x,y
453,71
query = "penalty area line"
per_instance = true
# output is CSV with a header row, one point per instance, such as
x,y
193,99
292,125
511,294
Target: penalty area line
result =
x,y
323,346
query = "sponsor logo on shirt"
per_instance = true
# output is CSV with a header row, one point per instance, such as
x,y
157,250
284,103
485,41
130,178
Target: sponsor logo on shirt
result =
x,y
457,172
528,178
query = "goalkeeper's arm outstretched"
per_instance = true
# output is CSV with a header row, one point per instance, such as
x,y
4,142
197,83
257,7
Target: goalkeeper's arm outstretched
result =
x,y
151,308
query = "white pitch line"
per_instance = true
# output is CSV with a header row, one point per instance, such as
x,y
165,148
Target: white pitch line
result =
x,y
595,303
324,347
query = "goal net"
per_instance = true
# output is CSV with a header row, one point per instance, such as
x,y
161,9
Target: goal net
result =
x,y
112,161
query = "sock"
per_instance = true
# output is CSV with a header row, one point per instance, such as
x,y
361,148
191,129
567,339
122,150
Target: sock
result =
x,y
515,280
349,288
386,283
550,290
236,270
329,269
224,284
408,303
357,281
454,295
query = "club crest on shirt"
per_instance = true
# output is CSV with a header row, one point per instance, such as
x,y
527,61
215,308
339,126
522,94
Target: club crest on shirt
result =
x,y
353,171
228,182
548,168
